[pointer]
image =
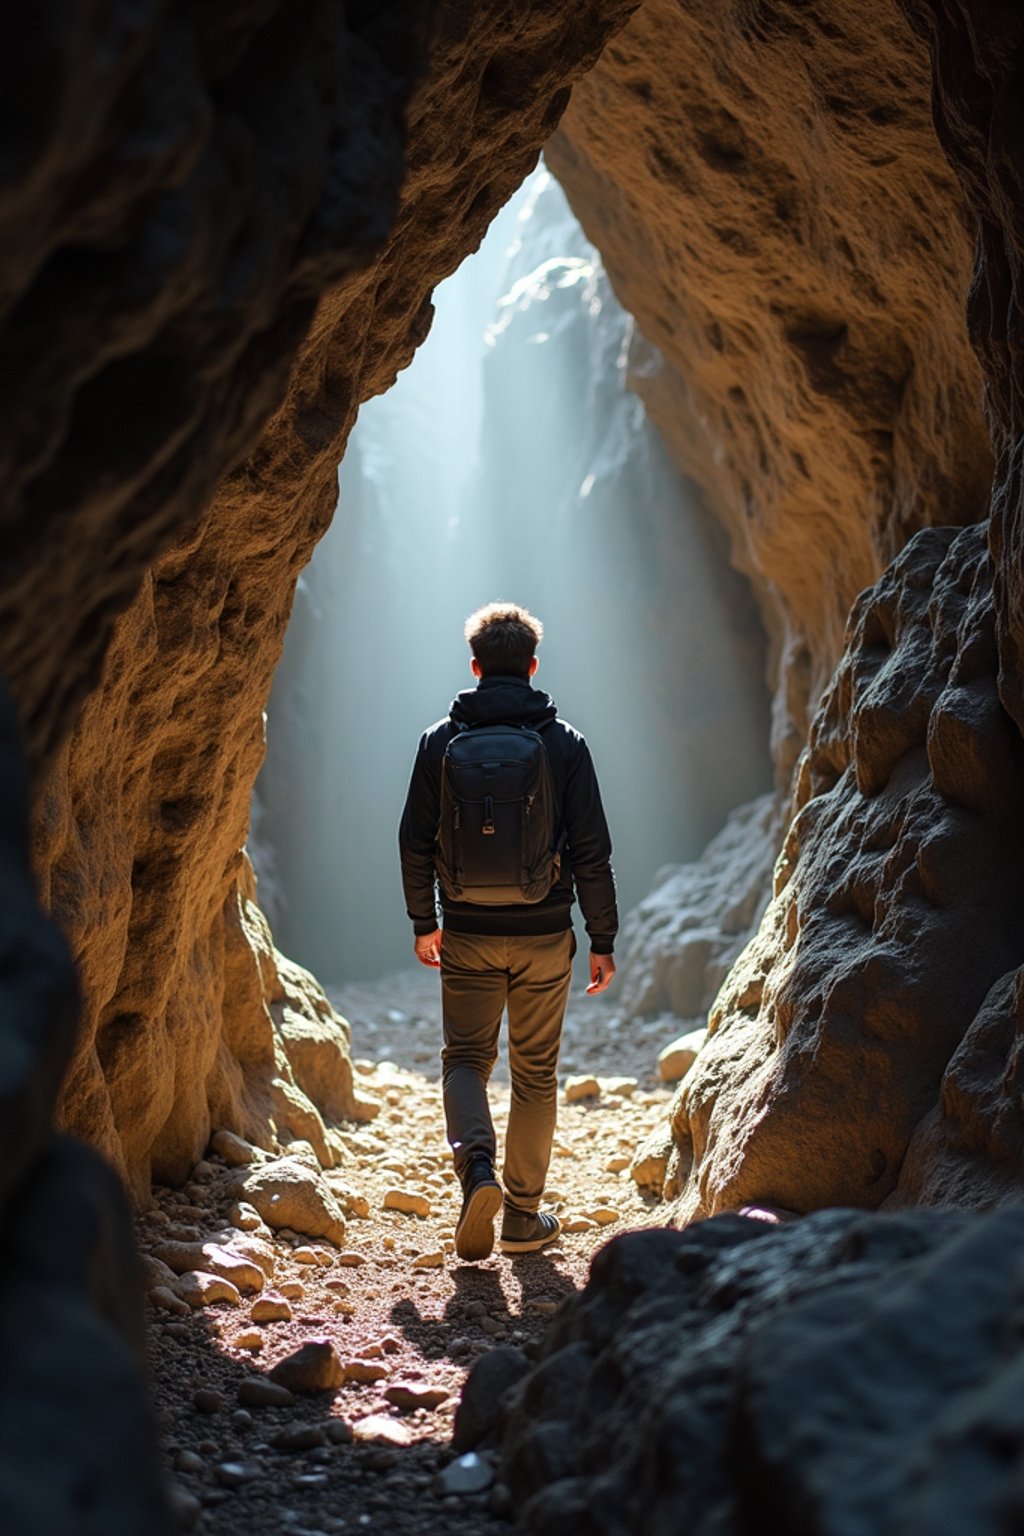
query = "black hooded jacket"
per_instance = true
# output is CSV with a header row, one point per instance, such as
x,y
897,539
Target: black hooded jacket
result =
x,y
586,868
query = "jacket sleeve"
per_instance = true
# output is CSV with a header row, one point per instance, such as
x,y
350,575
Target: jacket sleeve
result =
x,y
416,837
590,848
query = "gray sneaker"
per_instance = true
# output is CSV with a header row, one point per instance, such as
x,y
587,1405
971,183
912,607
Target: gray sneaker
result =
x,y
526,1231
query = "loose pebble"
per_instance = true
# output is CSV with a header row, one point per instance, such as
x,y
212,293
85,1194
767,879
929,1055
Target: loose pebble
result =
x,y
407,1201
579,1088
432,1260
258,1392
270,1308
468,1474
351,1260
409,1394
208,1400
364,1371
313,1367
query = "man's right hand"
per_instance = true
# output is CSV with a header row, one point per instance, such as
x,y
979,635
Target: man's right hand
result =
x,y
602,969
428,948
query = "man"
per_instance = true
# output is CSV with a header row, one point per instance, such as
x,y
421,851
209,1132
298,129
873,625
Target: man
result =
x,y
504,812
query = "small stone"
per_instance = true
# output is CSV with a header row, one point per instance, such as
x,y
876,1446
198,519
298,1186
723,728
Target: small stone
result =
x,y
249,1339
202,1290
411,1394
578,1088
338,1431
290,1193
407,1201
235,1152
232,1474
617,1163
317,1480
304,1256
364,1371
242,1418
624,1087
163,1297
433,1260
177,1331
258,1392
604,1215
208,1400
212,1259
188,1461
390,1345
676,1059
578,1224
270,1308
499,1503
245,1217
293,1289
468,1474
314,1367
298,1437
377,1426
350,1259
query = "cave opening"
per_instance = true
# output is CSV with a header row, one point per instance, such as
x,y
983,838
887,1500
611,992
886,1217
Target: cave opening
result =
x,y
512,459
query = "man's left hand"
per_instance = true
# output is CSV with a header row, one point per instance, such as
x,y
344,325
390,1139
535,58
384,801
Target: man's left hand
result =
x,y
428,948
602,969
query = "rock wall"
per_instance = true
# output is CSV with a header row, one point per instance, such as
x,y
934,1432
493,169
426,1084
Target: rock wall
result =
x,y
766,189
174,217
78,1447
846,1373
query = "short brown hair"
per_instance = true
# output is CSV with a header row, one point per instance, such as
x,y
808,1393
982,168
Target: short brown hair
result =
x,y
504,638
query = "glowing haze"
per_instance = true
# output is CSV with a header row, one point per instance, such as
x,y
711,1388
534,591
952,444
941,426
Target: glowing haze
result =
x,y
509,461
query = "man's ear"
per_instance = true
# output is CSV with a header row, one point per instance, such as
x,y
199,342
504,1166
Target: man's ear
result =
x,y
475,667
534,664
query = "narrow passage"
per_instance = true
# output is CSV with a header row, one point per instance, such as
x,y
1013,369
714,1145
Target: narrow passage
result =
x,y
405,1316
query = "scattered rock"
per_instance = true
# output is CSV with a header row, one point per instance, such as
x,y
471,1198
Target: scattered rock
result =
x,y
245,1217
410,1394
364,1371
208,1400
290,1193
293,1289
249,1339
578,1088
168,1301
188,1461
377,1426
212,1259
201,1290
271,1307
578,1224
349,1259
676,1059
232,1474
258,1392
314,1367
298,1437
407,1201
432,1260
617,1163
235,1152
604,1215
468,1474
185,1507
338,1431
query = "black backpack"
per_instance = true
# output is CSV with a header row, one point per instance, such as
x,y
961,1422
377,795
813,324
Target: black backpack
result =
x,y
496,841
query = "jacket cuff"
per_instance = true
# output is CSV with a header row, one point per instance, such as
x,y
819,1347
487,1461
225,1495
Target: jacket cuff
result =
x,y
601,944
424,925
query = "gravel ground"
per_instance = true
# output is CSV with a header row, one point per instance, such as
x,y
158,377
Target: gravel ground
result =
x,y
405,1316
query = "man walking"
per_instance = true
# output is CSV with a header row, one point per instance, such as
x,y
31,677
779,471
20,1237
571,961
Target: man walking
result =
x,y
504,815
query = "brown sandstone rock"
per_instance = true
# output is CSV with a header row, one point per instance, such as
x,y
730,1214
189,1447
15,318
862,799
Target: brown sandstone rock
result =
x,y
258,216
768,196
288,1194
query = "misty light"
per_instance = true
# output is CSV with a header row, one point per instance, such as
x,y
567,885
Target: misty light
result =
x,y
510,461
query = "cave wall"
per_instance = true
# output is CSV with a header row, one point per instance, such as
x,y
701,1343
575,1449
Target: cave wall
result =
x,y
214,192
771,203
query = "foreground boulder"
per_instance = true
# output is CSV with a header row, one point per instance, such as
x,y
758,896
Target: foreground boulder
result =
x,y
845,1373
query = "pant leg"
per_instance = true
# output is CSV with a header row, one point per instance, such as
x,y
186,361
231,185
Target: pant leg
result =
x,y
540,972
474,988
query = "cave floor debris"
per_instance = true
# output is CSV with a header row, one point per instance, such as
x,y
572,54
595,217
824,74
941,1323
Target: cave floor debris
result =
x,y
405,1316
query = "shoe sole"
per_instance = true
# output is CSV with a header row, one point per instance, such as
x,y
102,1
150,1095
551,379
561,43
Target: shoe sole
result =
x,y
531,1244
474,1235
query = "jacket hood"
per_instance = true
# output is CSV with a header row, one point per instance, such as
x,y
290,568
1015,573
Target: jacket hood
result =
x,y
500,700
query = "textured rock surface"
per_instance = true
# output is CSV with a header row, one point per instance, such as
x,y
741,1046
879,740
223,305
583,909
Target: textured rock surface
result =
x,y
677,946
897,906
765,187
77,1444
843,1373
145,807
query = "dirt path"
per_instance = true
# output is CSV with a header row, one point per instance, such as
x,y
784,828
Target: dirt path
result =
x,y
405,1316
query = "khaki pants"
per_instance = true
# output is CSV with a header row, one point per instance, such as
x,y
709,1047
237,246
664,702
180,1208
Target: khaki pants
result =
x,y
480,976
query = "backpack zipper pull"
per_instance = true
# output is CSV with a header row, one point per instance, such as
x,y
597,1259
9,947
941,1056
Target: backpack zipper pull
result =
x,y
488,826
